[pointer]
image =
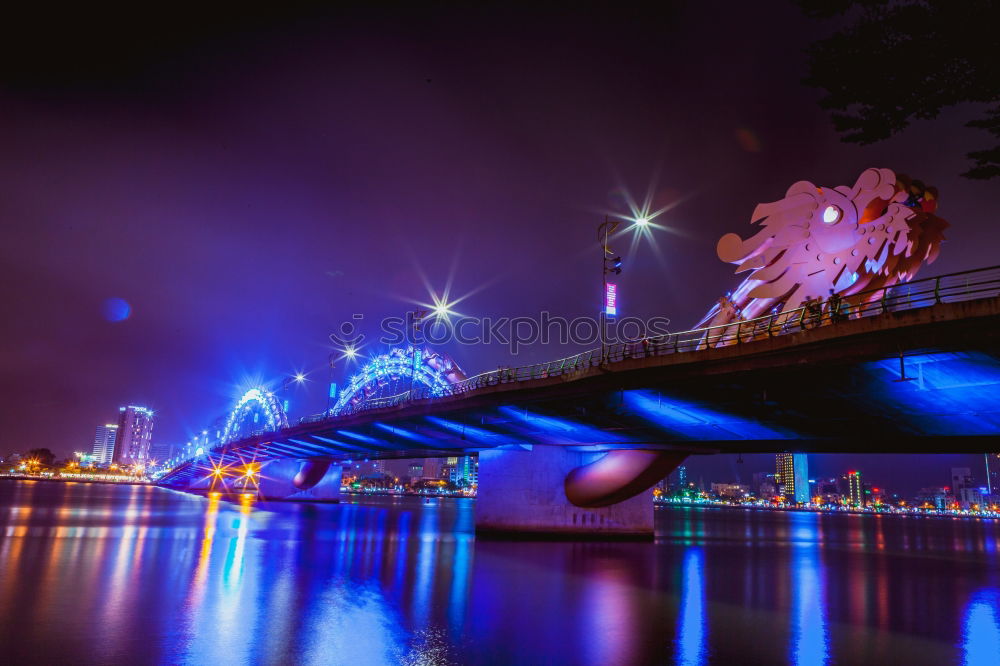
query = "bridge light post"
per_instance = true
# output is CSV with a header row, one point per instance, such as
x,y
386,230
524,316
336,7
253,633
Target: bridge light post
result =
x,y
440,309
329,388
298,378
604,230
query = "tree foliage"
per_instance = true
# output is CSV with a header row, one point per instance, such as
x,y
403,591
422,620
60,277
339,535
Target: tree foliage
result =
x,y
43,456
893,61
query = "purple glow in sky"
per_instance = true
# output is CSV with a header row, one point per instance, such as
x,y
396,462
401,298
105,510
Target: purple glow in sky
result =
x,y
239,186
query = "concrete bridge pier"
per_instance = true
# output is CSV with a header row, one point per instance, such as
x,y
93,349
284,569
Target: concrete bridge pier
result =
x,y
300,480
523,493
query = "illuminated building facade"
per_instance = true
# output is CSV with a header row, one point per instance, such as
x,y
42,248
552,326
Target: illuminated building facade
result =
x,y
464,472
135,434
161,451
855,489
965,492
992,476
104,443
793,477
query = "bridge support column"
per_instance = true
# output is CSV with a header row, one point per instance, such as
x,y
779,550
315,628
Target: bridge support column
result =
x,y
303,480
523,494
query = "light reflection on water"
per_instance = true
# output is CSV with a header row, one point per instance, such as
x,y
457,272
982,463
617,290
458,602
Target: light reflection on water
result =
x,y
981,633
137,574
691,641
808,616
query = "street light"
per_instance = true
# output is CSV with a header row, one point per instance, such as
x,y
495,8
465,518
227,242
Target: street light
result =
x,y
604,230
298,378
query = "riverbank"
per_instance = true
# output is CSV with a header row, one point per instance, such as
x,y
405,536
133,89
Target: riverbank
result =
x,y
61,479
883,510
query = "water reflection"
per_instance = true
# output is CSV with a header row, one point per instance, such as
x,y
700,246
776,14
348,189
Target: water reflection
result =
x,y
981,633
809,634
136,574
691,629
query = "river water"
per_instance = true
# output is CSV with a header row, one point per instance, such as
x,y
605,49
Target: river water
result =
x,y
108,574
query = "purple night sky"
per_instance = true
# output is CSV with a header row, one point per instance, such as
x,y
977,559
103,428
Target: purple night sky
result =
x,y
246,184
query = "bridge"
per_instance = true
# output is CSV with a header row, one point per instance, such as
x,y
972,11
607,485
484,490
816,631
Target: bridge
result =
x,y
575,444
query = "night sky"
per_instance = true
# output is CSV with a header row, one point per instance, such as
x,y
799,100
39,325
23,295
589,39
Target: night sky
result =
x,y
247,182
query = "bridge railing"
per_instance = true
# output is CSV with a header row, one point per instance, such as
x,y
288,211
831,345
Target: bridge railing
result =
x,y
950,288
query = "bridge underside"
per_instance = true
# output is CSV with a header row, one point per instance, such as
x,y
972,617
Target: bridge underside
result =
x,y
925,380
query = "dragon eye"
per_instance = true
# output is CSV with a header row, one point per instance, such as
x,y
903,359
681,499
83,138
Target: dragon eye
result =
x,y
832,214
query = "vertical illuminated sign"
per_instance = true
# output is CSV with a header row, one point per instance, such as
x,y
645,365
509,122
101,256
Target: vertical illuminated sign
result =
x,y
611,299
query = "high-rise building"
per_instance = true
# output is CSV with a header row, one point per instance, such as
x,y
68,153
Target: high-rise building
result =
x,y
135,433
992,473
793,477
465,472
961,477
855,489
764,485
963,490
161,451
104,443
933,498
682,476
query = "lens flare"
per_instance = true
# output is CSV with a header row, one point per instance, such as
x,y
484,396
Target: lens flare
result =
x,y
116,309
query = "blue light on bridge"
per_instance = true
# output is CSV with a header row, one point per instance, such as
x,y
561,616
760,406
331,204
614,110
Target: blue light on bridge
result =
x,y
948,393
689,419
572,432
337,442
256,402
359,437
392,374
408,434
475,434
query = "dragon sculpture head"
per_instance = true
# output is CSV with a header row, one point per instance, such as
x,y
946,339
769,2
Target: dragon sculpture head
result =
x,y
817,239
